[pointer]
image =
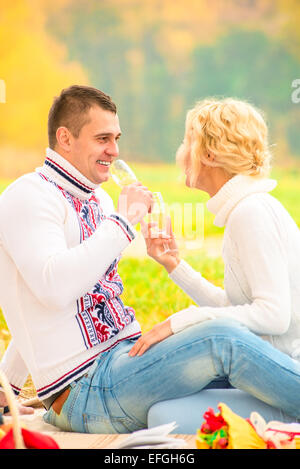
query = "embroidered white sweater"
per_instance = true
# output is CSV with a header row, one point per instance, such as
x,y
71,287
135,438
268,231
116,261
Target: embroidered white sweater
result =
x,y
261,253
49,260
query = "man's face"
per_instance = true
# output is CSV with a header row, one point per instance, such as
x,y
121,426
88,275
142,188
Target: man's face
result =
x,y
93,151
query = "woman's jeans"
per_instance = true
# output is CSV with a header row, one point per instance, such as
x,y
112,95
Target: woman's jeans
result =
x,y
118,390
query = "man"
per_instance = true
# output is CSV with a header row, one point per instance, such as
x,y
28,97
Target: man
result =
x,y
60,244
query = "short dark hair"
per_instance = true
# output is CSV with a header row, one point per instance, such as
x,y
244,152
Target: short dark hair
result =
x,y
71,107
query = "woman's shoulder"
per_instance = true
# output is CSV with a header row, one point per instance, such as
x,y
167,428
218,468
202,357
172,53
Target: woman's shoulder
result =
x,y
257,210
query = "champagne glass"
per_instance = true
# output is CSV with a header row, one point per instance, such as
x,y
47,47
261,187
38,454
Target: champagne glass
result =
x,y
122,174
158,216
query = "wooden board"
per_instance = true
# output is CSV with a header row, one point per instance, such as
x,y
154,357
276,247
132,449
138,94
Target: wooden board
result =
x,y
67,440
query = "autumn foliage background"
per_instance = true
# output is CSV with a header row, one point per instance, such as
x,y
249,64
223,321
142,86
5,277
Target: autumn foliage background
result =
x,y
155,58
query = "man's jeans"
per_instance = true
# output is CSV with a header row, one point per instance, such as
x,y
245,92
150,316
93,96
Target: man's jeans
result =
x,y
117,392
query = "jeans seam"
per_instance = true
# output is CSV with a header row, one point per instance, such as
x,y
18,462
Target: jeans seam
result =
x,y
72,403
273,362
162,357
128,417
111,387
203,340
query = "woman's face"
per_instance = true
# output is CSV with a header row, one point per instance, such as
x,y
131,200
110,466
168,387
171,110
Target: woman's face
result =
x,y
207,177
203,174
185,154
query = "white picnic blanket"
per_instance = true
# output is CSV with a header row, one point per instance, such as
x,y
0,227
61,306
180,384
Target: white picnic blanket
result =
x,y
157,437
34,422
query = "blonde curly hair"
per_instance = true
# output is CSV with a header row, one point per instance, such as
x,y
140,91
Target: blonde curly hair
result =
x,y
233,131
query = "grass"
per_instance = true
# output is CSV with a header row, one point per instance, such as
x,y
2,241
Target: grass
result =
x,y
153,295
167,179
148,288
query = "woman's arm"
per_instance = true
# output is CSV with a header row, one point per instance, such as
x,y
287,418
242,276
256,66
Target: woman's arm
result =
x,y
262,256
200,290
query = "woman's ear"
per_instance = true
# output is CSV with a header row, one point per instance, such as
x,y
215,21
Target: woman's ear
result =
x,y
209,158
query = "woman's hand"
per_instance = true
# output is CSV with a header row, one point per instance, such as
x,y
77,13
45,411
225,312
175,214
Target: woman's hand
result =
x,y
164,248
158,333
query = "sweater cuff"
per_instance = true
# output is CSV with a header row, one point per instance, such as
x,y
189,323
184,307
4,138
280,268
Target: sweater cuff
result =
x,y
16,382
189,317
124,225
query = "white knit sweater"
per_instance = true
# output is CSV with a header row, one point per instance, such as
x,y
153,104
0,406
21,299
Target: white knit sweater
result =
x,y
49,261
261,252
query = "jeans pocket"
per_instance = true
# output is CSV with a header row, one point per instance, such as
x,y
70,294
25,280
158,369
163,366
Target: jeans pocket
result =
x,y
98,424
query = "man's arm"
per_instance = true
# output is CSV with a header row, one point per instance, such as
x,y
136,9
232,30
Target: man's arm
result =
x,y
34,237
35,240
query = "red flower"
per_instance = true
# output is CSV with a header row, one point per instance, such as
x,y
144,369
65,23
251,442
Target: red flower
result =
x,y
214,422
222,443
32,440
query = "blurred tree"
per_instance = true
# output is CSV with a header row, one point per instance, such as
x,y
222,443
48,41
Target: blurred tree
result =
x,y
135,75
34,67
155,58
251,66
289,31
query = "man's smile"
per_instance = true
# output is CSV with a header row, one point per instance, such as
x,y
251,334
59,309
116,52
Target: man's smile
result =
x,y
105,163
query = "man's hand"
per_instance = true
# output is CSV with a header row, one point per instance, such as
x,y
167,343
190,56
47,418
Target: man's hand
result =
x,y
23,410
135,202
158,333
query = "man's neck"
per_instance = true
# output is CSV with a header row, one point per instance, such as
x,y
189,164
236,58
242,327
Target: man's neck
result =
x,y
61,171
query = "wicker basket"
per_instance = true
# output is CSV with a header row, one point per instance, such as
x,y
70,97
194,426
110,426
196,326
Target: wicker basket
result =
x,y
12,404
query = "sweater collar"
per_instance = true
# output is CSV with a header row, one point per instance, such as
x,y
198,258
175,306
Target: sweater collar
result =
x,y
60,171
233,191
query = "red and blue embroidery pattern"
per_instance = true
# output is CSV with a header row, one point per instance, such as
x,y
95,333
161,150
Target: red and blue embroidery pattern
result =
x,y
101,313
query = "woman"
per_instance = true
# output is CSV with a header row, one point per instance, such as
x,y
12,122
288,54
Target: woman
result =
x,y
225,153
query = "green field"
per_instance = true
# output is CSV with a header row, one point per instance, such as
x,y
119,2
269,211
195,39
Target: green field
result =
x,y
153,295
148,288
167,179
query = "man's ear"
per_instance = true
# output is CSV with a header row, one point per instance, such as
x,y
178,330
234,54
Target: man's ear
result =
x,y
63,137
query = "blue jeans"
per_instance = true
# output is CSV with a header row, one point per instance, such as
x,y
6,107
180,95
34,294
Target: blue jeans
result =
x,y
117,392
